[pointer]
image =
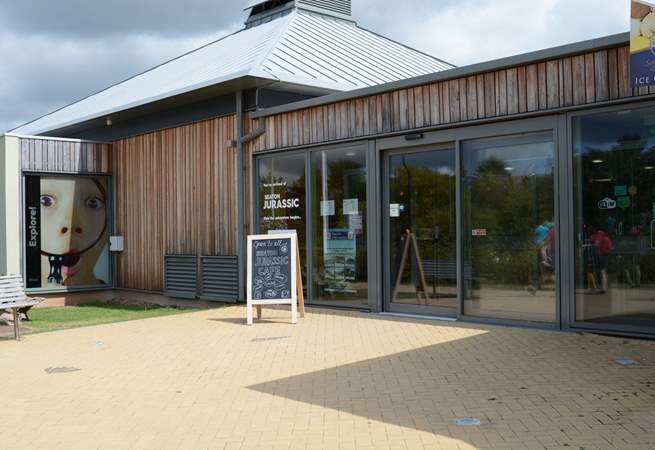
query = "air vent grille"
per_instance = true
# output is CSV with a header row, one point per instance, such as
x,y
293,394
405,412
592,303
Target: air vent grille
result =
x,y
337,6
220,278
181,275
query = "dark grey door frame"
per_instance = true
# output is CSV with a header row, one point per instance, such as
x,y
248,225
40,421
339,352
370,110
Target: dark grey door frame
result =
x,y
453,137
570,322
372,213
386,251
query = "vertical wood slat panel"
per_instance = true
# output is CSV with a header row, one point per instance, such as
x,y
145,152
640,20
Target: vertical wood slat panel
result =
x,y
623,57
532,88
453,100
566,80
461,95
445,101
489,95
176,193
552,84
541,77
500,91
612,74
522,86
479,81
590,80
471,98
602,77
512,90
578,71
48,155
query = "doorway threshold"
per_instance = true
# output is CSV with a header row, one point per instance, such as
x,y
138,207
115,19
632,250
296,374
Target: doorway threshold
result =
x,y
419,316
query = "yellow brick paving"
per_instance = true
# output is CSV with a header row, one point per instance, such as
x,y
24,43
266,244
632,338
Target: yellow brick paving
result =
x,y
337,380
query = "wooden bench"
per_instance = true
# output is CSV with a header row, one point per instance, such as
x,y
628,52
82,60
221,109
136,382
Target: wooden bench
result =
x,y
12,296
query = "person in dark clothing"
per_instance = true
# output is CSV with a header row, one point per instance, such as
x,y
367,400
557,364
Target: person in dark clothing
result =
x,y
602,246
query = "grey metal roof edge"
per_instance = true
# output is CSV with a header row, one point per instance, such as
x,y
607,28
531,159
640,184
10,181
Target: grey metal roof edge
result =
x,y
614,40
149,100
59,139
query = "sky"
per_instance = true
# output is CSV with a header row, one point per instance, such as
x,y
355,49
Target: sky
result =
x,y
56,52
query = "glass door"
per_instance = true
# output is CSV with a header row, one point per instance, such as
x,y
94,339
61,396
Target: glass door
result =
x,y
420,232
614,201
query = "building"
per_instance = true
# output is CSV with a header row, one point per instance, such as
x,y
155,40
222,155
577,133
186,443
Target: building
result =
x,y
517,191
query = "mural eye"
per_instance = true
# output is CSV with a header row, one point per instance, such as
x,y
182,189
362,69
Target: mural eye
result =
x,y
94,203
47,200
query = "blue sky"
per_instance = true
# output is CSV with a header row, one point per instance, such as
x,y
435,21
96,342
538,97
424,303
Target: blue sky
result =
x,y
55,52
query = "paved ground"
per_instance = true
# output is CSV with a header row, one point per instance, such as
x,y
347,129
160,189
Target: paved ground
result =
x,y
335,381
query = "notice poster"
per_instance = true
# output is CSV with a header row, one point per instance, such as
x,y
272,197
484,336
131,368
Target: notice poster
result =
x,y
340,257
642,43
66,232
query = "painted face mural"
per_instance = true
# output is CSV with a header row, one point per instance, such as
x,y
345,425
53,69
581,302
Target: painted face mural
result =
x,y
67,232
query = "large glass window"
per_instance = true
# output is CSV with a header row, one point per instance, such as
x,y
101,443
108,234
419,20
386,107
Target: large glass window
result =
x,y
614,190
339,227
509,225
281,196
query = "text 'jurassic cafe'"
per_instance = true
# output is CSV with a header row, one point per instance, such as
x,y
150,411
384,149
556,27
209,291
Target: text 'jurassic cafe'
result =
x,y
516,191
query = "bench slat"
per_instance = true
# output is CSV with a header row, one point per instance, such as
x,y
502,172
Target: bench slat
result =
x,y
12,293
23,304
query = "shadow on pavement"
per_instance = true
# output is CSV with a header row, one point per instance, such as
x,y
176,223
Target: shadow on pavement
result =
x,y
521,384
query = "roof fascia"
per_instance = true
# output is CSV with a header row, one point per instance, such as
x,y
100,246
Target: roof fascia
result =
x,y
153,99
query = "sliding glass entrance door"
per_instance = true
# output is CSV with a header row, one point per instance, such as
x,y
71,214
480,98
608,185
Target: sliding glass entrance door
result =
x,y
420,232
510,233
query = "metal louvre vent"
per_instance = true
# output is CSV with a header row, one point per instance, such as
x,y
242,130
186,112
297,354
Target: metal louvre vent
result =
x,y
181,275
220,278
337,6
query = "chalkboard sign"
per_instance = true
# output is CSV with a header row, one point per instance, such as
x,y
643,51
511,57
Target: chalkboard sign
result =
x,y
271,269
272,272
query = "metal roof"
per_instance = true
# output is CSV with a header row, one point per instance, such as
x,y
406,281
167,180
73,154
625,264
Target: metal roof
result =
x,y
300,48
611,41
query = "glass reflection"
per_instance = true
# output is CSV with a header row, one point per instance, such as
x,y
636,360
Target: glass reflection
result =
x,y
614,187
339,255
281,199
510,233
422,224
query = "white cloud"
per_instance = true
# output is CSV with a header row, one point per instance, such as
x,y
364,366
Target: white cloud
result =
x,y
472,31
50,72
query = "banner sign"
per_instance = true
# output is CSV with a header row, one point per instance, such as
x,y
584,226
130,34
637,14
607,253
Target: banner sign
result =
x,y
642,43
66,232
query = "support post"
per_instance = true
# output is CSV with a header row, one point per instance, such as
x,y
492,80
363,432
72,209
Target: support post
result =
x,y
10,208
241,207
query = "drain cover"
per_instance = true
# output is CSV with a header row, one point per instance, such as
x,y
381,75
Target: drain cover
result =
x,y
277,338
626,361
467,422
62,369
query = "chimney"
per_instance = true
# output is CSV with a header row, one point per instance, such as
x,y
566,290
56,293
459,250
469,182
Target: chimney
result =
x,y
262,11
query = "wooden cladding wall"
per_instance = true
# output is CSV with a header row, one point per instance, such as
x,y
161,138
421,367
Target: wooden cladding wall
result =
x,y
175,194
569,81
48,155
